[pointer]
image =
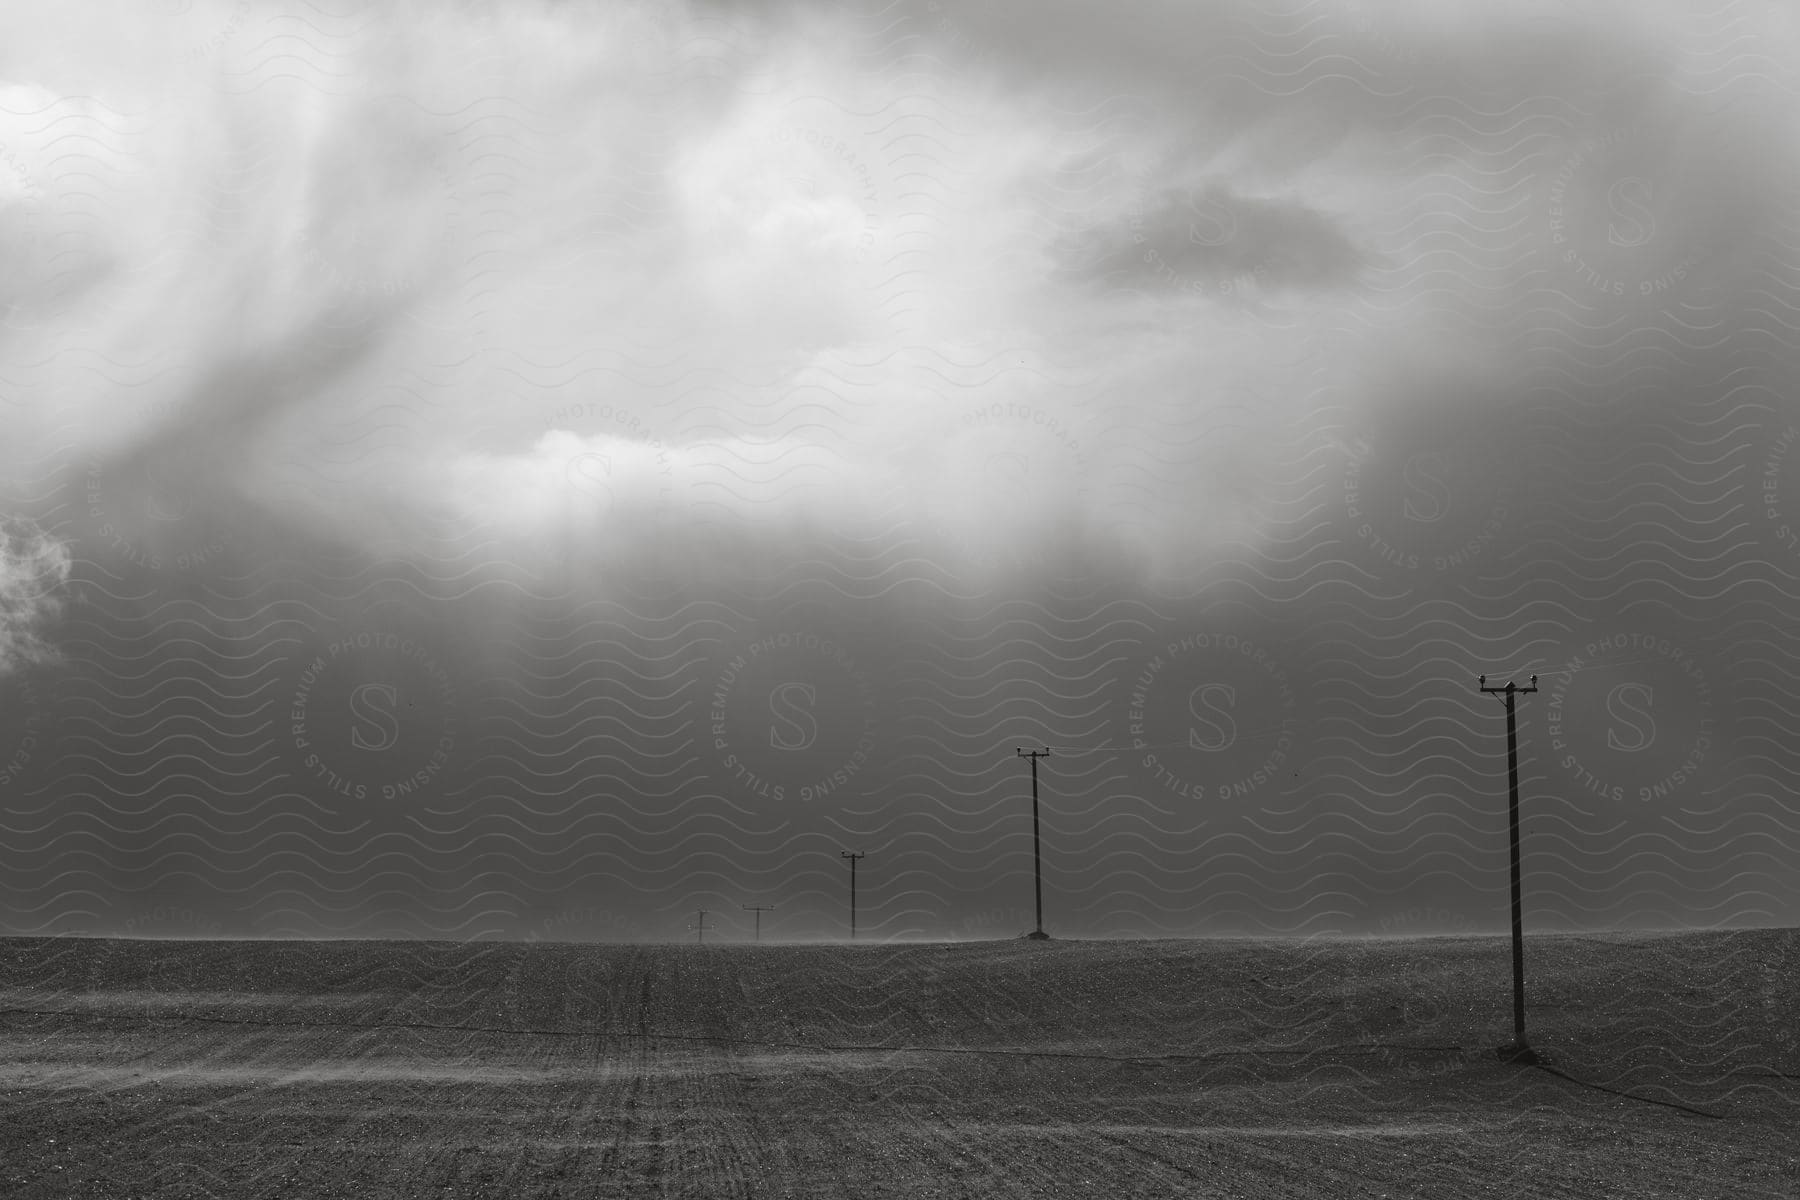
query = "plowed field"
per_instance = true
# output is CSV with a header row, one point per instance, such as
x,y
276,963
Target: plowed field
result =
x,y
1170,1068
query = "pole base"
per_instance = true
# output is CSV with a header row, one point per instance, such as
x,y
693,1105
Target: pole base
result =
x,y
1518,1053
1038,935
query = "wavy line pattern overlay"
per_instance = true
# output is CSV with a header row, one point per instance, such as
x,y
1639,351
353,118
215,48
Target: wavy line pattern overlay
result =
x,y
545,474
491,474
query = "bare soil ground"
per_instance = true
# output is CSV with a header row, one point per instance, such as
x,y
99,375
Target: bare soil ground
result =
x,y
1166,1068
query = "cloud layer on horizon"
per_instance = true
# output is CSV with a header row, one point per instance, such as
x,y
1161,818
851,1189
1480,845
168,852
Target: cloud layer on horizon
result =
x,y
1019,354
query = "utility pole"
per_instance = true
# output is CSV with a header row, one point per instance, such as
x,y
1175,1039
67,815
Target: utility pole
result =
x,y
1518,1051
759,910
1037,867
700,928
853,860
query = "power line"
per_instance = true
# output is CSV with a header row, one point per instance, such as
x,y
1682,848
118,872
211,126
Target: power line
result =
x,y
1588,664
1158,745
1069,750
1585,665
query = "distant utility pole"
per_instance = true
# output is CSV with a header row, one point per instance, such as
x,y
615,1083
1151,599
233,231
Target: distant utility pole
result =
x,y
700,928
853,860
1037,867
1518,1051
759,910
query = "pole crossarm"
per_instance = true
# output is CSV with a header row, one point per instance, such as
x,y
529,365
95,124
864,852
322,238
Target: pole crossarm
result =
x,y
1510,687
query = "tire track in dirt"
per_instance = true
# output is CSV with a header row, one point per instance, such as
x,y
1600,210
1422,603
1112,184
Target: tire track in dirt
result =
x,y
581,1112
619,1160
739,1147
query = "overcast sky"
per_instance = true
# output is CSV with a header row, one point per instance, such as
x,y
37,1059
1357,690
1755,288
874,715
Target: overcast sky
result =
x,y
540,469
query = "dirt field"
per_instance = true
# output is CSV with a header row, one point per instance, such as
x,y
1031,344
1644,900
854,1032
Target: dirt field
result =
x,y
1178,1068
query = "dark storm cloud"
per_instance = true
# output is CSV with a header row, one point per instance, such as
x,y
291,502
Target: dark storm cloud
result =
x,y
734,429
1252,61
1208,236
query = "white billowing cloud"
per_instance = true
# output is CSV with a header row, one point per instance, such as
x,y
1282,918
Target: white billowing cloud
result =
x,y
33,568
566,484
799,269
608,492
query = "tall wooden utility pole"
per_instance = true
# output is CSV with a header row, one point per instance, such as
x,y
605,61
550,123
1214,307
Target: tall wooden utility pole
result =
x,y
759,910
1037,866
853,860
1518,1051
